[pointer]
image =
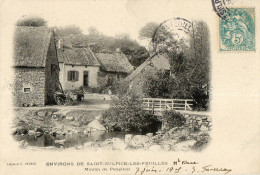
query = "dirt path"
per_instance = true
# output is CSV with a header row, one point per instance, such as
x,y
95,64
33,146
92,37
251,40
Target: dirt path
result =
x,y
86,107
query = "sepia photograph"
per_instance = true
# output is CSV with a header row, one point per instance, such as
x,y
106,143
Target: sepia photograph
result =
x,y
88,90
133,87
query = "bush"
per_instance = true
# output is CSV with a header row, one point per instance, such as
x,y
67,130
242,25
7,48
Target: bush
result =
x,y
126,114
173,119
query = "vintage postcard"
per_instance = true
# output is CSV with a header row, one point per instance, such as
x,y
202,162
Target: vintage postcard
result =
x,y
130,87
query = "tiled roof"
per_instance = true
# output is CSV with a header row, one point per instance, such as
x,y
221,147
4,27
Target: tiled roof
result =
x,y
156,62
114,62
77,56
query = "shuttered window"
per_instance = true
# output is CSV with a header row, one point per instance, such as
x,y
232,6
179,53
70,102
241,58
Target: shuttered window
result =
x,y
73,76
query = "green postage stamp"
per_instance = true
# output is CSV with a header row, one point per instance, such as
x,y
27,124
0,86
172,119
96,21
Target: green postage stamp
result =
x,y
237,32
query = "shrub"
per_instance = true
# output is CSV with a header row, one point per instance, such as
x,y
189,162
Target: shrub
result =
x,y
173,119
201,143
126,114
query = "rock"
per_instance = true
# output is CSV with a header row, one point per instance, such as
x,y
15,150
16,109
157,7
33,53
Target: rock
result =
x,y
185,145
149,134
60,142
204,128
41,113
38,134
118,144
31,132
49,113
128,137
173,130
167,147
21,130
95,125
86,131
70,118
204,118
139,140
23,144
155,148
87,144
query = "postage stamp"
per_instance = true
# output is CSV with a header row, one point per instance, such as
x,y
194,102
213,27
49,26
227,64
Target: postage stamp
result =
x,y
237,32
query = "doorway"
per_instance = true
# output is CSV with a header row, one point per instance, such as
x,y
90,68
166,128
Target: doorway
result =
x,y
85,78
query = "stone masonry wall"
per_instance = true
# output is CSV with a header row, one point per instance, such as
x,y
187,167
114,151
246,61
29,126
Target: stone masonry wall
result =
x,y
199,122
32,78
51,73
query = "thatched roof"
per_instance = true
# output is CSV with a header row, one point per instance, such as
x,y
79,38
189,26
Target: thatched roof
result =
x,y
77,56
31,46
114,62
152,64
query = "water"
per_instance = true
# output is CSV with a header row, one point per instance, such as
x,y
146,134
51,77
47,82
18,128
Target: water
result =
x,y
71,139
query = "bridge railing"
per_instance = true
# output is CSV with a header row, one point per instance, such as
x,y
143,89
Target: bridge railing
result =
x,y
160,104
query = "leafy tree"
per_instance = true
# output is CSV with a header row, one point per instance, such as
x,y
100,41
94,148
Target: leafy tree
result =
x,y
157,85
148,30
34,21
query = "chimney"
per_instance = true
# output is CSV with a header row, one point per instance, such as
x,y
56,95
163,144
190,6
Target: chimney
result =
x,y
60,44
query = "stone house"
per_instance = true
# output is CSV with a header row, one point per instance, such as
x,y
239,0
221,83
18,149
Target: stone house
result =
x,y
153,64
114,67
78,68
35,66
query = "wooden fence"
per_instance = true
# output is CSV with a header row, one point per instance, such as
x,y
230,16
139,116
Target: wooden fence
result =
x,y
157,105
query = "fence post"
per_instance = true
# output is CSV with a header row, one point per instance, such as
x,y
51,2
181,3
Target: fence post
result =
x,y
185,105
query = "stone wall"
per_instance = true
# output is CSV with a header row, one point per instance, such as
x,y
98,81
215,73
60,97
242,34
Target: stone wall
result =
x,y
51,73
198,122
32,78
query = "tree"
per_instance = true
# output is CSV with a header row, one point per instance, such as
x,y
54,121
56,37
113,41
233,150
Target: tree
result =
x,y
68,30
148,30
34,21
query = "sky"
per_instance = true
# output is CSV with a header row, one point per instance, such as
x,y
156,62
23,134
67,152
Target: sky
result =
x,y
110,17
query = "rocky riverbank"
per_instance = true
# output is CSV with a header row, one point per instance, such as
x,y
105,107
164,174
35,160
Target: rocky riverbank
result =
x,y
80,129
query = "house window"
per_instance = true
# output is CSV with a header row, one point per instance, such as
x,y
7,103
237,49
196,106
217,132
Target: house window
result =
x,y
73,75
26,90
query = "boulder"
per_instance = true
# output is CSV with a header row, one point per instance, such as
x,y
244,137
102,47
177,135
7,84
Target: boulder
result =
x,y
139,140
87,144
70,118
166,147
96,126
31,132
185,145
155,148
41,113
128,137
118,144
204,128
60,142
23,144
149,134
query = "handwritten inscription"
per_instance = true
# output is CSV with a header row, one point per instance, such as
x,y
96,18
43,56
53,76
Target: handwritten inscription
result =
x,y
182,167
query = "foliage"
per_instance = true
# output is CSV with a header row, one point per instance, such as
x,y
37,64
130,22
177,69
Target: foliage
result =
x,y
201,142
126,114
148,30
120,87
157,85
173,119
34,21
189,60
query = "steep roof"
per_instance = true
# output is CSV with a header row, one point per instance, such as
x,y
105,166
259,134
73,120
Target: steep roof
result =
x,y
114,62
31,46
77,56
156,61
